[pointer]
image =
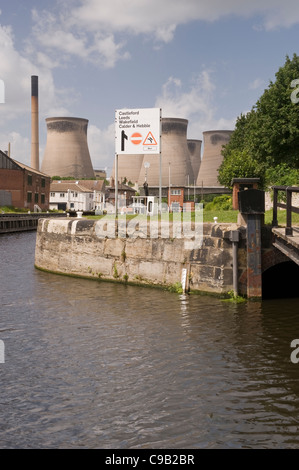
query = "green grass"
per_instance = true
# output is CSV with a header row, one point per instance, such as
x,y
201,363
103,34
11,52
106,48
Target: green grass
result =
x,y
229,216
12,210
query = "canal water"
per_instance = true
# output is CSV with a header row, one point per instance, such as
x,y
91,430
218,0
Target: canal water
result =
x,y
99,365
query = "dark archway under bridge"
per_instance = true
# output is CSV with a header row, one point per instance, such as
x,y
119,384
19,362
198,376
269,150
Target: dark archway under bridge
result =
x,y
281,281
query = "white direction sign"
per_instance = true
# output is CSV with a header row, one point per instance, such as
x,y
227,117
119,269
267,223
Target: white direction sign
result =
x,y
138,131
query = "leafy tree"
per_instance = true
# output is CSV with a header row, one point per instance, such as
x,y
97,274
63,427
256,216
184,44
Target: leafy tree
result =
x,y
267,136
239,164
282,175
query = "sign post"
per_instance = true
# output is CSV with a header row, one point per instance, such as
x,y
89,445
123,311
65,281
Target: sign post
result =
x,y
138,131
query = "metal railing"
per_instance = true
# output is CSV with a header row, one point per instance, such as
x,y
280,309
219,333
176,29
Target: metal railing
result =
x,y
289,190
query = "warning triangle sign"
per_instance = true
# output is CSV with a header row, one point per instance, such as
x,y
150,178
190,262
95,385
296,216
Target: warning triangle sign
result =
x,y
150,140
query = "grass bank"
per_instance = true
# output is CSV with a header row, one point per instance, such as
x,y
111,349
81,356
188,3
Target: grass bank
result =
x,y
226,216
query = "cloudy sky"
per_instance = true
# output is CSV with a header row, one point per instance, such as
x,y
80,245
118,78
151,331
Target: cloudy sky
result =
x,y
202,60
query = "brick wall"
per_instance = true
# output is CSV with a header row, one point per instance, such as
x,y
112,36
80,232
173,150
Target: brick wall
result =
x,y
26,187
176,197
12,181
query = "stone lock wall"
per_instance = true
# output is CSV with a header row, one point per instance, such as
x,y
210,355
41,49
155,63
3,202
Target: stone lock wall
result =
x,y
73,247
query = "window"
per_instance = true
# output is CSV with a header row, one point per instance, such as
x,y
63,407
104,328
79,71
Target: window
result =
x,y
43,183
52,194
29,197
29,180
36,198
175,192
43,199
61,194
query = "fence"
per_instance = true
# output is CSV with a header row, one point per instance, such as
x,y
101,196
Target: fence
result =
x,y
288,190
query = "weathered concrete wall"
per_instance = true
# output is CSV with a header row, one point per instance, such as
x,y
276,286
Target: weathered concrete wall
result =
x,y
73,247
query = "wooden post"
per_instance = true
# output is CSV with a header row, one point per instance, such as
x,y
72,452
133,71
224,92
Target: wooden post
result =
x,y
274,219
254,256
289,230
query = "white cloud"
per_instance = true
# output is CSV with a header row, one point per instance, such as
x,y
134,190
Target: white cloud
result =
x,y
106,51
16,69
162,18
198,104
52,34
89,28
20,147
56,34
17,91
185,104
257,83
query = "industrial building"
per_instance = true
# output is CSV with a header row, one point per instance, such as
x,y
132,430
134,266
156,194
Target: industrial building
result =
x,y
211,160
66,153
182,162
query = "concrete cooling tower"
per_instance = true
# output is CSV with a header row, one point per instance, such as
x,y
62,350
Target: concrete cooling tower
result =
x,y
66,152
129,167
175,156
213,142
194,147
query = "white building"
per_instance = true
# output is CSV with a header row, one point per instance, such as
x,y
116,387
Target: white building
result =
x,y
77,195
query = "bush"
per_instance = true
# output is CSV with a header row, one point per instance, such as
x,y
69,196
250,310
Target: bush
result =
x,y
220,203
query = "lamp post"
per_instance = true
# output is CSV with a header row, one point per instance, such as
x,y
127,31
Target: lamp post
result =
x,y
169,184
146,166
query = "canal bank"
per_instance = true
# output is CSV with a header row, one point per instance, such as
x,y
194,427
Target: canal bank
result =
x,y
79,247
10,223
218,259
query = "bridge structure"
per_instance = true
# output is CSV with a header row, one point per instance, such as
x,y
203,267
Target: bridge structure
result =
x,y
272,251
286,239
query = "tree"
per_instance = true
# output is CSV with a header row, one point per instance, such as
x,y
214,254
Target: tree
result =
x,y
269,133
239,164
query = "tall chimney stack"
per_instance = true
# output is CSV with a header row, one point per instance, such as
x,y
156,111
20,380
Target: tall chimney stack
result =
x,y
34,124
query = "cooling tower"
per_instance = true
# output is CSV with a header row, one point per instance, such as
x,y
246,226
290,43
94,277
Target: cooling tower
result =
x,y
194,147
34,124
129,167
213,142
175,156
66,152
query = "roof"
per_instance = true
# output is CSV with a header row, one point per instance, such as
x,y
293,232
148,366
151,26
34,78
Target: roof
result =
x,y
122,187
94,185
81,186
28,168
12,164
64,186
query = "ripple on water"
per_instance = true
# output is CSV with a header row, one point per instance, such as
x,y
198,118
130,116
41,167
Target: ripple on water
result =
x,y
101,365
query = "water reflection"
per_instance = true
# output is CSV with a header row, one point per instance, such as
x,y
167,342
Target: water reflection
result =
x,y
99,365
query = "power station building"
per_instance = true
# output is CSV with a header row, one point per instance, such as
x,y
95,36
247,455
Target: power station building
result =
x,y
212,158
182,163
67,152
